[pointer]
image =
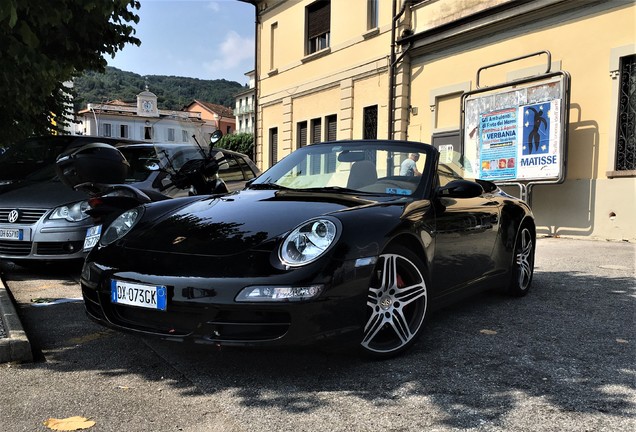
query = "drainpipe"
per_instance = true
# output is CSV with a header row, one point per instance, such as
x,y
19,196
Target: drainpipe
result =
x,y
256,80
393,62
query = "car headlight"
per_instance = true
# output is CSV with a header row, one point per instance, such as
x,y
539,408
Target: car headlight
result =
x,y
278,293
72,212
308,242
121,226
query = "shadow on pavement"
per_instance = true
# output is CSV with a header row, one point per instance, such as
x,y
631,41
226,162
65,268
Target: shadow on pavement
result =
x,y
570,342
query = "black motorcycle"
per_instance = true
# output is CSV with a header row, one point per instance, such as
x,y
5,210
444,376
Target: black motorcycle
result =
x,y
100,170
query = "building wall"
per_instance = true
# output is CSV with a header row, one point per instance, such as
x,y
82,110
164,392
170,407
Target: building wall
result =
x,y
585,39
335,81
582,43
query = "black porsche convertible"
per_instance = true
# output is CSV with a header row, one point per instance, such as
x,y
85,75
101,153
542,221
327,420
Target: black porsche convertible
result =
x,y
352,241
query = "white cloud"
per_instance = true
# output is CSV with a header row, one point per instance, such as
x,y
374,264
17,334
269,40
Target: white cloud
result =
x,y
231,53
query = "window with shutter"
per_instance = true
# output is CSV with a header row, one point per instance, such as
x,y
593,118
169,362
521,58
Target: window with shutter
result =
x,y
331,131
301,136
314,160
318,25
273,146
372,14
301,141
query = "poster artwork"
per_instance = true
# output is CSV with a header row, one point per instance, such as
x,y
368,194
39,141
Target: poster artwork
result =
x,y
498,145
539,147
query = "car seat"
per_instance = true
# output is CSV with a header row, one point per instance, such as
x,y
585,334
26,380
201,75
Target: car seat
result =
x,y
362,174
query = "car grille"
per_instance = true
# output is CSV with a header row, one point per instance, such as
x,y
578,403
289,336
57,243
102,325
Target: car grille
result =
x,y
14,248
248,326
27,216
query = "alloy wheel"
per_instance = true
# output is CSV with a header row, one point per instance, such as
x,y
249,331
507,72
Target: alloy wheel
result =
x,y
522,263
396,303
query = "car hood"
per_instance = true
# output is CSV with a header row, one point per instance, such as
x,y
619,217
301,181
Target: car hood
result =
x,y
44,194
241,221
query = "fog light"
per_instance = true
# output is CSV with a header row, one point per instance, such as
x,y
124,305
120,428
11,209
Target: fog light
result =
x,y
278,294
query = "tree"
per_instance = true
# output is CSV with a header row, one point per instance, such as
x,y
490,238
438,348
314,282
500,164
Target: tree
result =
x,y
46,43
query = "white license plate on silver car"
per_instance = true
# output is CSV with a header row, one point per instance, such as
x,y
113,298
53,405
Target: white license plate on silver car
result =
x,y
11,234
141,295
92,237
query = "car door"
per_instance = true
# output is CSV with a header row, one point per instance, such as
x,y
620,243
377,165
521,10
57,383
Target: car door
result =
x,y
465,235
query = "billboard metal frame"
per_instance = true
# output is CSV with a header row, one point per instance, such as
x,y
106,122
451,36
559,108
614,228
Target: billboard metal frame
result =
x,y
563,80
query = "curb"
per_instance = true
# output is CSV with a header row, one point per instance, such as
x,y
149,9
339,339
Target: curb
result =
x,y
16,346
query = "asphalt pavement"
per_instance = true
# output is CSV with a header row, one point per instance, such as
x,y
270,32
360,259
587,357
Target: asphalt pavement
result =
x,y
562,358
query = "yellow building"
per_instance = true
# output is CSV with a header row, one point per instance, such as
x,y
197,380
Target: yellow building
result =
x,y
423,70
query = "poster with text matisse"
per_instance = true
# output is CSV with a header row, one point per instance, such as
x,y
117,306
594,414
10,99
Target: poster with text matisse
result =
x,y
539,134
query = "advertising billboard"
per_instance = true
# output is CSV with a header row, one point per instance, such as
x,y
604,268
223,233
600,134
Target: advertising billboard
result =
x,y
516,133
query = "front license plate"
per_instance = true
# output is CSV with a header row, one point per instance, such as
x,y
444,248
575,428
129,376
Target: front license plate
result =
x,y
11,234
133,294
92,237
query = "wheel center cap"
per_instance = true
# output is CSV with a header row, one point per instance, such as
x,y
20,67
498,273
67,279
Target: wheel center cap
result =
x,y
386,302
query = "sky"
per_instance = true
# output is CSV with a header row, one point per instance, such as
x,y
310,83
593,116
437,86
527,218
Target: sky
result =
x,y
206,39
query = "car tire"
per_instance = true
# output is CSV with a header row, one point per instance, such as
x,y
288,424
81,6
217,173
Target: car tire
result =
x,y
522,268
397,303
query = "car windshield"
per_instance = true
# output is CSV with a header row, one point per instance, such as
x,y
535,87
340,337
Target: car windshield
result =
x,y
145,159
369,167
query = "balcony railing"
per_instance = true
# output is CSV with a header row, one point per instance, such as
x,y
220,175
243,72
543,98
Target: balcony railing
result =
x,y
244,109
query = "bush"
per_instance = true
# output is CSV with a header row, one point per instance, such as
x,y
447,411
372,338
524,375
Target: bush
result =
x,y
240,142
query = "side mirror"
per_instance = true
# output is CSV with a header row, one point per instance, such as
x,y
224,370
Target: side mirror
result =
x,y
151,165
215,137
461,189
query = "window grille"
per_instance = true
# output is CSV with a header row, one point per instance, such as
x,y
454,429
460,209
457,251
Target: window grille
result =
x,y
626,124
370,122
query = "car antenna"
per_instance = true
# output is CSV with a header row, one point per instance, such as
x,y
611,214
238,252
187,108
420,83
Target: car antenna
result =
x,y
199,145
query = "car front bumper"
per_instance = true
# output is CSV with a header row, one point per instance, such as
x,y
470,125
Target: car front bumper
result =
x,y
204,310
46,240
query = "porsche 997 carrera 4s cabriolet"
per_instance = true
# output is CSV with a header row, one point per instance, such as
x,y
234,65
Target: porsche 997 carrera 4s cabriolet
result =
x,y
352,241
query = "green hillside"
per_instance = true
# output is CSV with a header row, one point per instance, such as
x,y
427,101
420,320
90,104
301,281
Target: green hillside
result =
x,y
172,92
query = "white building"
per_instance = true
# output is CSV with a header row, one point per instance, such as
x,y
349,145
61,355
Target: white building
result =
x,y
244,109
141,121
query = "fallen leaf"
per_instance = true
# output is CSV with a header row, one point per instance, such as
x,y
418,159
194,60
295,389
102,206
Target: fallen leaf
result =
x,y
622,341
488,332
69,424
123,387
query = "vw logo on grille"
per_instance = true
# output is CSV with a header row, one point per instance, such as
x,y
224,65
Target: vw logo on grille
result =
x,y
13,216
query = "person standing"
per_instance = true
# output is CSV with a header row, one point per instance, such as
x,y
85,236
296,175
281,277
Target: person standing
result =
x,y
408,167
